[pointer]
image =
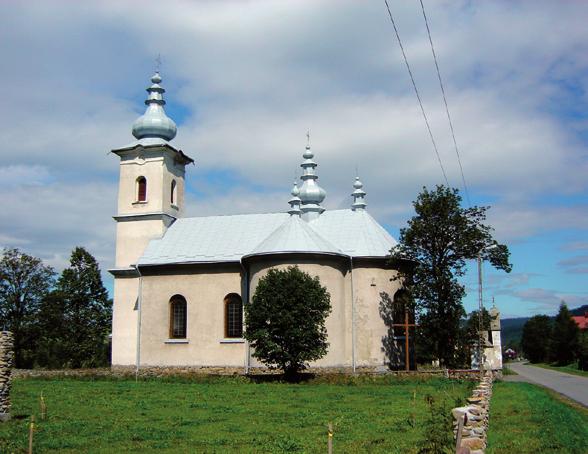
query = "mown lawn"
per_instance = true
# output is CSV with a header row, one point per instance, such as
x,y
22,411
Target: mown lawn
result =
x,y
225,415
569,369
526,418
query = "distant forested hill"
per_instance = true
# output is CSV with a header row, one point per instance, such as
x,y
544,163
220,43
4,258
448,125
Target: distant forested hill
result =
x,y
512,328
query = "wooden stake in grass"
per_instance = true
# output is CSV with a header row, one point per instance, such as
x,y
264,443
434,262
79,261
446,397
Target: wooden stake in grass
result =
x,y
413,412
330,439
43,406
31,431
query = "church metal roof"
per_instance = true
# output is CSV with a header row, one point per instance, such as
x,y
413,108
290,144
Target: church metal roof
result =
x,y
295,235
229,238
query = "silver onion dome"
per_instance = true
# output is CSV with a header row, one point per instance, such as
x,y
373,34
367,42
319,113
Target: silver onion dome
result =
x,y
311,194
154,122
358,196
295,201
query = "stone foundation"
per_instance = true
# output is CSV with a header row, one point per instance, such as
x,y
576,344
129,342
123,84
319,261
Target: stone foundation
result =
x,y
6,364
472,439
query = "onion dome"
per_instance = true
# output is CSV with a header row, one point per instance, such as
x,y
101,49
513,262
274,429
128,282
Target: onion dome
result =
x,y
311,194
154,122
295,201
358,196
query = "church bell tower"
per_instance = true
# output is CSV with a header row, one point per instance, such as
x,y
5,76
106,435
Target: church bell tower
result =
x,y
151,185
150,199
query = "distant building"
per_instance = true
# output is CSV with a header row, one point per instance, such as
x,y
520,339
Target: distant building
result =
x,y
491,345
581,320
180,283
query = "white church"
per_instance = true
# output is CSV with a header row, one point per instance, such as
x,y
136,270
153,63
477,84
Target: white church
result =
x,y
180,283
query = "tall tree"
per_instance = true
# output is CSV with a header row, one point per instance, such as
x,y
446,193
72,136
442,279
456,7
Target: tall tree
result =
x,y
286,320
439,239
564,337
535,338
24,282
86,311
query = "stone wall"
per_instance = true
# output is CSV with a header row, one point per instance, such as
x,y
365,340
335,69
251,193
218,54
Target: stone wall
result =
x,y
473,436
6,364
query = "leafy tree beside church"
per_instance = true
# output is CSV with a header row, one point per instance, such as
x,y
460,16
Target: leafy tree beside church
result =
x,y
438,240
286,320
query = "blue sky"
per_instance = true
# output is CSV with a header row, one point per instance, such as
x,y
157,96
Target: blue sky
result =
x,y
245,80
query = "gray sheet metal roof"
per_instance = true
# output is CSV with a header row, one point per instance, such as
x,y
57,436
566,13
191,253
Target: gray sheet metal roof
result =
x,y
295,235
356,233
229,238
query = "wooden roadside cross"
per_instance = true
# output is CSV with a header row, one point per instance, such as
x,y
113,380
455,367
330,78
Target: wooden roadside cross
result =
x,y
406,326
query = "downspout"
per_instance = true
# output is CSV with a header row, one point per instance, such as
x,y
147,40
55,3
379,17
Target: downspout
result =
x,y
352,315
245,300
139,305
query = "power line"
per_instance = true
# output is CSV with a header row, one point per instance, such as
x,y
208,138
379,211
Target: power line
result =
x,y
417,93
465,186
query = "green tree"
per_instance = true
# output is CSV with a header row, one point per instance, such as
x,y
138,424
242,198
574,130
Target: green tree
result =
x,y
286,320
564,337
535,338
438,240
24,282
81,306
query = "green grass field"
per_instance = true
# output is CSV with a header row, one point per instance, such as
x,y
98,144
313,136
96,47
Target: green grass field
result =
x,y
525,418
225,415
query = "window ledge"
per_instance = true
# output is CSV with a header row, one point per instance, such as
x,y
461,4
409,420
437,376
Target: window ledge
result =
x,y
140,202
174,206
177,341
235,340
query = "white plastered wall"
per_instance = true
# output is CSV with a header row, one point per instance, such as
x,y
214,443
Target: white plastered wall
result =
x,y
204,288
124,321
369,282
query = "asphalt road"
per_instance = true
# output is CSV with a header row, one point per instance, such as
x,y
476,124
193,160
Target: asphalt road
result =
x,y
572,386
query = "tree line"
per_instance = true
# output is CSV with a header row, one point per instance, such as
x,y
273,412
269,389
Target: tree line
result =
x,y
57,320
558,341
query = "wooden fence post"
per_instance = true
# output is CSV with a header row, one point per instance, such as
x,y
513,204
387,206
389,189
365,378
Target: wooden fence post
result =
x,y
330,439
460,425
31,431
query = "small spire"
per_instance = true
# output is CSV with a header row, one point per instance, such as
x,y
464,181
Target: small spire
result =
x,y
358,196
154,122
295,201
311,194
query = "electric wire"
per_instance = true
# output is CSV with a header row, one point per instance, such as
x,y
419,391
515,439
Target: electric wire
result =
x,y
417,93
465,186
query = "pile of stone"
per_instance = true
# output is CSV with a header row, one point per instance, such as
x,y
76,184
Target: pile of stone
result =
x,y
6,363
472,439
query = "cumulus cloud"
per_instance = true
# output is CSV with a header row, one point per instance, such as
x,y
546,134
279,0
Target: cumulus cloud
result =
x,y
247,79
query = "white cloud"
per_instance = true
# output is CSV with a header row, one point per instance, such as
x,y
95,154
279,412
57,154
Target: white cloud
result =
x,y
252,77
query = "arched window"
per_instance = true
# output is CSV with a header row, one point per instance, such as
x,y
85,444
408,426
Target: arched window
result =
x,y
141,189
177,317
173,192
233,316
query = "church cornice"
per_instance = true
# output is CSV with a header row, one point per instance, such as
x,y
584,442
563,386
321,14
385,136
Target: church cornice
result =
x,y
144,217
178,155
